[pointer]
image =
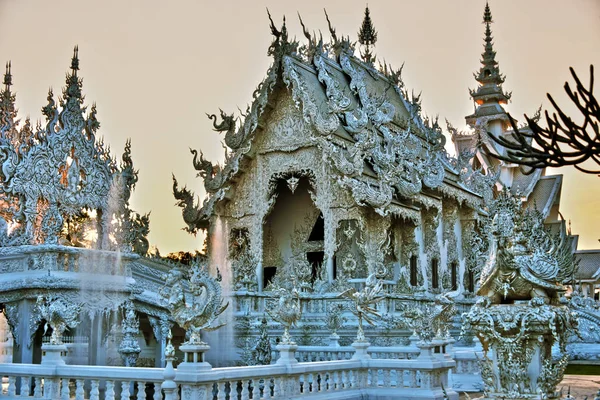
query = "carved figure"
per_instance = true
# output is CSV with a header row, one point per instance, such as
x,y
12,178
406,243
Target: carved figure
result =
x,y
197,308
58,314
233,139
363,301
129,348
287,311
525,262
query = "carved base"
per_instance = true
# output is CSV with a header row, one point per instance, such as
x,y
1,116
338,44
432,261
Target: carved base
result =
x,y
193,358
52,354
286,354
334,340
360,350
521,337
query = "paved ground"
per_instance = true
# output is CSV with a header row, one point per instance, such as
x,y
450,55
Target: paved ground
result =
x,y
581,386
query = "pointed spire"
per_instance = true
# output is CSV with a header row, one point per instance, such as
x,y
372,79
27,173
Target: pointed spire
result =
x,y
75,60
72,99
489,96
7,77
8,113
367,37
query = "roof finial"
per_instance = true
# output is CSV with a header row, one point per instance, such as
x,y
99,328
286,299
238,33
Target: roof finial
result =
x,y
367,37
75,60
489,94
8,77
487,14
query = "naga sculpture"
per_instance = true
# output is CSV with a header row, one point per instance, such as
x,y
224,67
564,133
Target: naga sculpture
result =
x,y
58,314
233,139
212,175
194,216
194,299
522,314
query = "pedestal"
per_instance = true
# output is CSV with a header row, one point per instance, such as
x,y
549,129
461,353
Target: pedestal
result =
x,y
360,351
286,354
52,354
521,365
193,358
426,350
334,340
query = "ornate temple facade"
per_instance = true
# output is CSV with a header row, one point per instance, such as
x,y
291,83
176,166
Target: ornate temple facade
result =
x,y
334,183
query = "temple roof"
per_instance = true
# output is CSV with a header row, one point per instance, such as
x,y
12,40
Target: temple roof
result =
x,y
589,265
370,130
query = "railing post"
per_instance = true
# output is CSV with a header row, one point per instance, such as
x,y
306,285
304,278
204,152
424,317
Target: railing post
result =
x,y
286,354
169,386
360,350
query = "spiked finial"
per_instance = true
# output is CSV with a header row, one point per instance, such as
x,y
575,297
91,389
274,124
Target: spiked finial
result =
x,y
489,94
8,76
75,60
367,36
487,14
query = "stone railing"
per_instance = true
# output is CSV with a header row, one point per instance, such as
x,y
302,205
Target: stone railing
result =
x,y
19,259
329,353
358,378
79,382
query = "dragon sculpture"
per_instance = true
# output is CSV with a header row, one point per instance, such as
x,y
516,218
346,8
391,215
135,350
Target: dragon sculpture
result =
x,y
198,307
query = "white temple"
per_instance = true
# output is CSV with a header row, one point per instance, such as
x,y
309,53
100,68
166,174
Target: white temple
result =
x,y
340,234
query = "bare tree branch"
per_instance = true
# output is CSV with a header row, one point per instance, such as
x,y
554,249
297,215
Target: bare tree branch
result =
x,y
563,142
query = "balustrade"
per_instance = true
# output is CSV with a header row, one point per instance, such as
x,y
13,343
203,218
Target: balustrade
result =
x,y
349,378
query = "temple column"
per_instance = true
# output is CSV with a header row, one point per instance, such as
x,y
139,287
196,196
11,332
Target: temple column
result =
x,y
160,328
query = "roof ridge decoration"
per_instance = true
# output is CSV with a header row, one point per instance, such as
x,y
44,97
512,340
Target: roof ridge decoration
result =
x,y
367,37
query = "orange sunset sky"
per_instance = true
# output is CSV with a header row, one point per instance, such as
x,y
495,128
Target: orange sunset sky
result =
x,y
155,67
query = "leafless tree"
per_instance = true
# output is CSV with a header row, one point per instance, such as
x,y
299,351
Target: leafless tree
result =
x,y
563,142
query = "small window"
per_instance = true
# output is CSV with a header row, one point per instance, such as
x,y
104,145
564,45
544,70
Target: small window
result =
x,y
434,274
454,275
471,281
413,271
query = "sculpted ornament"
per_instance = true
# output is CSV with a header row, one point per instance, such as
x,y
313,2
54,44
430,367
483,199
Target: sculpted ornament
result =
x,y
198,307
287,310
129,348
58,314
364,301
522,312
